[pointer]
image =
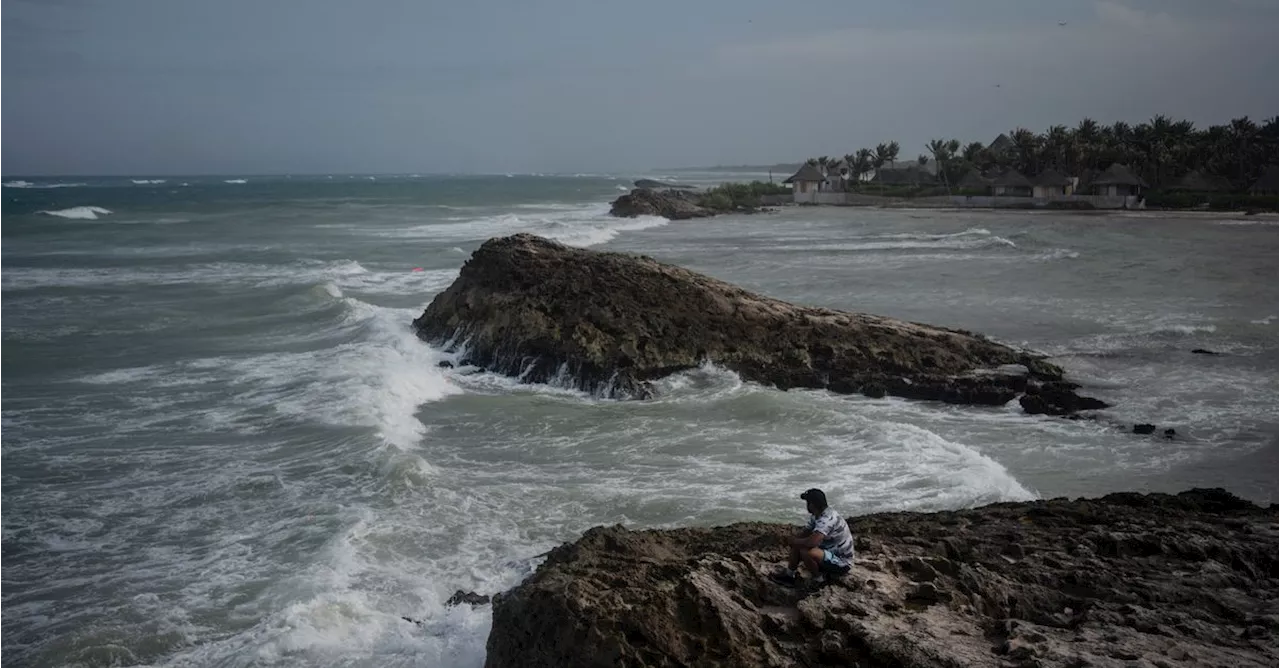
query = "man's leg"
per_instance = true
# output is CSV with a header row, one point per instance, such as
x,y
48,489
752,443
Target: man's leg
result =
x,y
795,558
812,559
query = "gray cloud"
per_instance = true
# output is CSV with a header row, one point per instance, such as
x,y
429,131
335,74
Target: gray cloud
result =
x,y
156,87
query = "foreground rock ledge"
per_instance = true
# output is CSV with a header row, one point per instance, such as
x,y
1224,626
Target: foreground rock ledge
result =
x,y
1125,580
608,323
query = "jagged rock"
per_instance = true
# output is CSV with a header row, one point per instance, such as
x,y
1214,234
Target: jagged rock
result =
x,y
671,204
609,323
469,597
1202,351
1144,428
702,597
1170,433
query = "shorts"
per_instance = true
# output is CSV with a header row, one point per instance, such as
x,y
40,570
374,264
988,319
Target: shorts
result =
x,y
833,564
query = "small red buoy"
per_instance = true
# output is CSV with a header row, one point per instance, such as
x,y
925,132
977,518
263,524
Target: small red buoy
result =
x,y
418,269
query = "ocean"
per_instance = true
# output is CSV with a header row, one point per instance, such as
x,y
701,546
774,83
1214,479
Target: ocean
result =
x,y
223,445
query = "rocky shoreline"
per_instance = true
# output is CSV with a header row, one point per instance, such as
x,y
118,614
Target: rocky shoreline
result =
x,y
1125,580
609,323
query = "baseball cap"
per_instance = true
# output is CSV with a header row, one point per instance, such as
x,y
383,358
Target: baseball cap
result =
x,y
815,496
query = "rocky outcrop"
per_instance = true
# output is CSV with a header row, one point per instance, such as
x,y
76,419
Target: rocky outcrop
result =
x,y
670,204
1125,580
608,323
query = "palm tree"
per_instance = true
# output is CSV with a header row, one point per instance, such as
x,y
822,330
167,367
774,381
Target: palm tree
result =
x,y
1055,145
943,151
863,161
893,152
812,161
1243,132
881,156
1025,146
973,152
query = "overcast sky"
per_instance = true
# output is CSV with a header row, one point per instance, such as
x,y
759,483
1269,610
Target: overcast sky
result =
x,y
253,86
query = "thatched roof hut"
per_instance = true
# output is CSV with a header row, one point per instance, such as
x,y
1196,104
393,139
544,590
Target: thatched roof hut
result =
x,y
972,180
807,173
1011,178
1118,175
1001,144
1051,178
1267,182
1117,181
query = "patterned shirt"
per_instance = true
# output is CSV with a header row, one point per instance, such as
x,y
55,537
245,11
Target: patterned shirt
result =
x,y
837,539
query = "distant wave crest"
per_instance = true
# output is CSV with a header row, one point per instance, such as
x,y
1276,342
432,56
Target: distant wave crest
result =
x,y
79,212
148,182
28,184
235,181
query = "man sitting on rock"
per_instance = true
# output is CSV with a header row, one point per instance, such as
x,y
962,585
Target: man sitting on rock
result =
x,y
825,546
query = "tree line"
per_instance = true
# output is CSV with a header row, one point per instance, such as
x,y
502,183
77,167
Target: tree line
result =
x,y
1160,150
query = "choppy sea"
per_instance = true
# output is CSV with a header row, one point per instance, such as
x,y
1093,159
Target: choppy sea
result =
x,y
223,446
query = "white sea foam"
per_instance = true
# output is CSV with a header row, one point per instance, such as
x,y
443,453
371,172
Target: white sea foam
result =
x,y
947,242
1269,320
148,182
79,212
28,184
971,232
237,181
575,225
1180,329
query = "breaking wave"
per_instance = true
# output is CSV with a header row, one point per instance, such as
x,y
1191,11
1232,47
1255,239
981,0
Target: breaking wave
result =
x,y
573,225
28,184
79,212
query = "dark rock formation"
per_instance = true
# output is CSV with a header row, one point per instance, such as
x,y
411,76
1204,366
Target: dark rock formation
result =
x,y
670,204
1202,351
1144,429
1156,580
1170,433
609,322
650,184
469,597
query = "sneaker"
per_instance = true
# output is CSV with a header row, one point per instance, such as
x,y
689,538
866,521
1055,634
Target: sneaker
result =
x,y
784,576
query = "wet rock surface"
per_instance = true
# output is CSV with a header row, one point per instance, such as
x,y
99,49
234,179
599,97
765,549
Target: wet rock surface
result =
x,y
671,204
1124,580
609,322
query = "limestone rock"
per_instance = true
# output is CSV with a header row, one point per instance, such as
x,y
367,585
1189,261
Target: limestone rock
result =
x,y
609,323
671,204
702,596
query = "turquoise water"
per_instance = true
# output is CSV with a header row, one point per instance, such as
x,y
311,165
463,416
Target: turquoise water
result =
x,y
223,446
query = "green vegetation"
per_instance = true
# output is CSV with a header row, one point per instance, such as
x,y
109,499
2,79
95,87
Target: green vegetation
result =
x,y
1160,151
731,196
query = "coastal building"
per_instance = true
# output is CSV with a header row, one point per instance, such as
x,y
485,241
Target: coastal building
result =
x,y
1050,183
805,184
1196,182
1001,144
1117,181
837,177
1011,183
1266,184
974,181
